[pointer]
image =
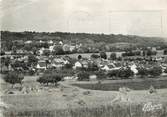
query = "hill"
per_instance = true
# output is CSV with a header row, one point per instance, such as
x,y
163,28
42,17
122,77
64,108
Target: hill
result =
x,y
85,38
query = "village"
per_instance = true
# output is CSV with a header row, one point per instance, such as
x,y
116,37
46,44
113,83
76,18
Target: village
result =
x,y
59,56
75,75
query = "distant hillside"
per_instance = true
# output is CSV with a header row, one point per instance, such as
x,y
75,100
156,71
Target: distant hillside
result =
x,y
85,38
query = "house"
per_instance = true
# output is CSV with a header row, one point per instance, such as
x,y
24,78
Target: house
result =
x,y
77,65
134,68
58,62
72,47
19,51
28,42
84,63
41,65
110,67
51,48
41,41
50,42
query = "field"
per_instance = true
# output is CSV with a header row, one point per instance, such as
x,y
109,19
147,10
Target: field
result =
x,y
134,84
71,101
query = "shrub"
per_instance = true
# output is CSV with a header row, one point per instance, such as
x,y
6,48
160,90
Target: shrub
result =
x,y
83,76
165,70
142,71
13,78
113,56
95,56
92,67
113,73
103,55
47,78
68,66
155,71
31,72
100,75
125,73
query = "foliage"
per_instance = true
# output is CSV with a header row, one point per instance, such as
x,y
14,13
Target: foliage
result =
x,y
83,76
165,52
142,71
113,56
2,53
165,70
95,56
103,55
46,52
100,75
125,73
47,78
68,66
32,60
113,73
155,71
92,67
58,50
79,57
102,42
13,78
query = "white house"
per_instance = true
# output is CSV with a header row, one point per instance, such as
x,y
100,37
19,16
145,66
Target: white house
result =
x,y
134,68
77,65
50,42
41,65
51,48
28,42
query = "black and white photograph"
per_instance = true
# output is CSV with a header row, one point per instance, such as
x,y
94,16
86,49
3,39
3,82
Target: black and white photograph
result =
x,y
83,58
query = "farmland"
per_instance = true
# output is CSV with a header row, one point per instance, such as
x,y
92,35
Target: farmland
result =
x,y
67,100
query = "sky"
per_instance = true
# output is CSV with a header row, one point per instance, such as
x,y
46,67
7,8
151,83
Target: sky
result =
x,y
129,17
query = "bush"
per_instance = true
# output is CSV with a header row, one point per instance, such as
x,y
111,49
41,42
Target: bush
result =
x,y
95,56
13,78
52,78
92,67
113,56
125,73
68,66
155,71
165,70
103,55
83,76
100,75
113,73
142,71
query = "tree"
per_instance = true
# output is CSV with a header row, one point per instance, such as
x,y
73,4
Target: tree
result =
x,y
92,67
165,52
79,57
14,49
46,52
32,60
125,73
83,76
113,56
7,61
50,77
2,52
155,71
95,56
103,55
58,50
13,78
28,47
142,71
34,49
